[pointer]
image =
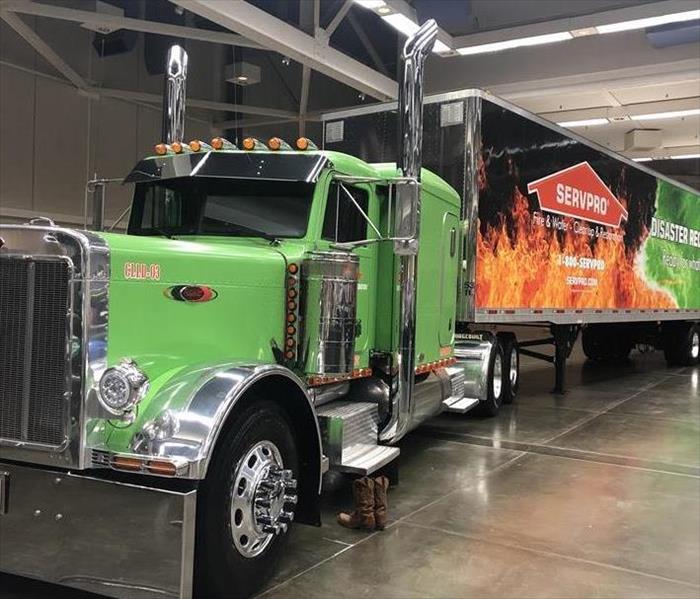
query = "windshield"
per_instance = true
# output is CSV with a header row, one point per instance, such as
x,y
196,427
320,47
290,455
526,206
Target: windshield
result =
x,y
231,207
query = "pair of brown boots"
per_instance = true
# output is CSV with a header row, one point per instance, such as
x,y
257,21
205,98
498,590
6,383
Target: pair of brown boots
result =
x,y
370,504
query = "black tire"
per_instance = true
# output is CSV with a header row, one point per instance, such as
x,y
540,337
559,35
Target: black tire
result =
x,y
682,345
511,368
494,381
606,343
221,570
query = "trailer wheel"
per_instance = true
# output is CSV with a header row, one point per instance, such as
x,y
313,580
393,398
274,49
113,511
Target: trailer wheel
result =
x,y
606,343
246,503
495,384
511,363
682,345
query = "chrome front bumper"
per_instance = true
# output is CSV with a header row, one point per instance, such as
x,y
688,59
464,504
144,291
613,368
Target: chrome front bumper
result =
x,y
116,539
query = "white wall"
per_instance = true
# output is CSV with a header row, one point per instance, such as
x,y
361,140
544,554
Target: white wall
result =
x,y
53,139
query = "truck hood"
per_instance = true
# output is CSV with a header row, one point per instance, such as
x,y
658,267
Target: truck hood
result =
x,y
202,261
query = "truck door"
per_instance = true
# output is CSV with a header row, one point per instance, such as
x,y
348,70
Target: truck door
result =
x,y
343,223
448,279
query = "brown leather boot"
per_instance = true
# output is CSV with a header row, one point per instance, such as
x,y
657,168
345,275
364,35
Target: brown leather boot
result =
x,y
363,516
381,486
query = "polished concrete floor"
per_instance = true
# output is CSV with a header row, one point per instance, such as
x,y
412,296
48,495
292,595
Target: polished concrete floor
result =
x,y
595,493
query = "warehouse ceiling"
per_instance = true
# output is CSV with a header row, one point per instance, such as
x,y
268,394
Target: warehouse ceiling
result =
x,y
330,53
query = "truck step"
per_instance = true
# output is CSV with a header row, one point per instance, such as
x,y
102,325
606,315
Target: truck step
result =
x,y
460,405
349,430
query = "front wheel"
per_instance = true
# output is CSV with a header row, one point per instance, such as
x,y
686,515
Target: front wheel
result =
x,y
246,503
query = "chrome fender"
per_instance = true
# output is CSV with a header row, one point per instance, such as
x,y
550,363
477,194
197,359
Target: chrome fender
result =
x,y
198,402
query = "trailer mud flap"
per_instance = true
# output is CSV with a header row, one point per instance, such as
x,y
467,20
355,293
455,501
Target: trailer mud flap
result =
x,y
111,538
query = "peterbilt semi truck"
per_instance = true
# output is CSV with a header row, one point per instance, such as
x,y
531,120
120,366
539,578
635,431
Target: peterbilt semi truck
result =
x,y
170,398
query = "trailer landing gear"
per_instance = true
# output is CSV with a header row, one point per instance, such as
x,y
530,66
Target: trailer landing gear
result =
x,y
563,339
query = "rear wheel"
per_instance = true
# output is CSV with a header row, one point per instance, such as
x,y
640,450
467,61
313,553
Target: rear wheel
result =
x,y
511,362
606,343
246,503
494,381
682,345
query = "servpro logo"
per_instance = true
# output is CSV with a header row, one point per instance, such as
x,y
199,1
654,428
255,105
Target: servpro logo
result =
x,y
579,192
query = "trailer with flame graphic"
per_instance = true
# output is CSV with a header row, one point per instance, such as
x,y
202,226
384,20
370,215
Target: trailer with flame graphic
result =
x,y
555,229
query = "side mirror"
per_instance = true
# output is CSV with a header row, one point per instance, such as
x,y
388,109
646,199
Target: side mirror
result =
x,y
406,217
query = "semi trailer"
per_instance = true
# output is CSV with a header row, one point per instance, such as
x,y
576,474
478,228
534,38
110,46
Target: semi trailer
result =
x,y
170,398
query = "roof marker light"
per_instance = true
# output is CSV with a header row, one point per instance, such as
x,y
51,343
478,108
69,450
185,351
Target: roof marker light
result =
x,y
180,148
304,143
250,144
197,145
276,143
162,149
221,143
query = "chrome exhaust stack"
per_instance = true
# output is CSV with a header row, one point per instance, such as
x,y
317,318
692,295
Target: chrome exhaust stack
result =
x,y
407,224
174,95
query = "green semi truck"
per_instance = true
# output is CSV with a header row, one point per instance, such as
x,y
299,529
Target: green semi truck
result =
x,y
171,398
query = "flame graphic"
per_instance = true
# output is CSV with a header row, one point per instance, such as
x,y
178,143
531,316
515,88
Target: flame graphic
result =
x,y
519,266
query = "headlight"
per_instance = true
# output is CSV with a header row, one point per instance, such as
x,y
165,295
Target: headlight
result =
x,y
122,387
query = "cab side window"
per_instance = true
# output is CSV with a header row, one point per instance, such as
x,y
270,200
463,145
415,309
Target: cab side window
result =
x,y
343,222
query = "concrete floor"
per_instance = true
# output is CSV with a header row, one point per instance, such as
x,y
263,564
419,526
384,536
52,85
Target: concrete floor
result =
x,y
592,494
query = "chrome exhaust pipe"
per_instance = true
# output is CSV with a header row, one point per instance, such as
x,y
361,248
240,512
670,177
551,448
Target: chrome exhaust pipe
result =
x,y
407,224
174,95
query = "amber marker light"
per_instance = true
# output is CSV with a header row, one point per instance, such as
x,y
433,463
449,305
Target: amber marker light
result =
x,y
221,143
161,149
127,463
179,148
161,467
304,143
276,143
293,268
197,145
250,144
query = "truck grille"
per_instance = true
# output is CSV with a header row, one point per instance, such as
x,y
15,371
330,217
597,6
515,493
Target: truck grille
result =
x,y
34,305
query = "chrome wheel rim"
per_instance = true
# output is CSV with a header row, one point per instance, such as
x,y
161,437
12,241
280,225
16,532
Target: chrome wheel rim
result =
x,y
497,382
262,499
695,346
513,374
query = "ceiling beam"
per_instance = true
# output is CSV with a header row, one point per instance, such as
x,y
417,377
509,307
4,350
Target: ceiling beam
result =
x,y
114,22
638,11
613,79
367,44
42,48
194,103
281,37
338,18
631,110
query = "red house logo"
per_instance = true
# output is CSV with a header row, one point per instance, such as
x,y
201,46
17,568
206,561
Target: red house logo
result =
x,y
579,192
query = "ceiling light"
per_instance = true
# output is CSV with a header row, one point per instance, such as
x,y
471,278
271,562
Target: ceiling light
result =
x,y
690,15
684,156
441,48
666,115
371,4
401,23
384,10
644,159
584,123
406,26
243,73
535,40
586,31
